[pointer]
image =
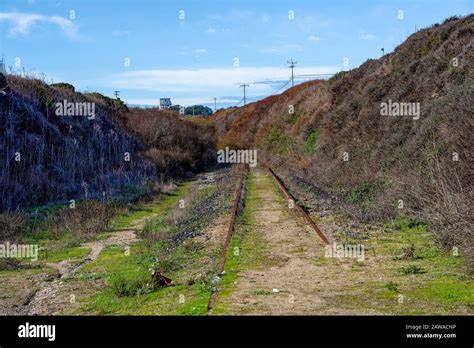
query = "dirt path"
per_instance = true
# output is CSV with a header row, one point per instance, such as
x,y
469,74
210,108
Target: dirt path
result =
x,y
42,303
289,280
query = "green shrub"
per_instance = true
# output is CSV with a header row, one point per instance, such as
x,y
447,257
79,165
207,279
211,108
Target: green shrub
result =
x,y
412,269
278,138
311,141
363,192
64,86
337,76
392,286
123,287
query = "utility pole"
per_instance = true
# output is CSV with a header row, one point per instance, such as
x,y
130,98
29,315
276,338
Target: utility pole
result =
x,y
215,104
292,65
244,85
116,93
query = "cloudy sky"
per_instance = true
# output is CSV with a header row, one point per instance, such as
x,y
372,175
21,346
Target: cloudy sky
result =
x,y
193,51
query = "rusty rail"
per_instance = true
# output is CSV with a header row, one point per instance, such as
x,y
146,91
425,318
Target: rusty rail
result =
x,y
305,215
230,230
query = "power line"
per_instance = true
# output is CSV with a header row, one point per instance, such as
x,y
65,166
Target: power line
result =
x,y
292,65
313,75
281,87
240,101
244,85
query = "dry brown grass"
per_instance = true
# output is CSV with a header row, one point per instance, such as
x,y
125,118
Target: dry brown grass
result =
x,y
12,226
82,222
174,144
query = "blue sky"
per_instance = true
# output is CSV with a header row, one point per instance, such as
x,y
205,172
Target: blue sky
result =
x,y
207,50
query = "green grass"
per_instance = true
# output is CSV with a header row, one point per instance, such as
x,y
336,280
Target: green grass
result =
x,y
113,264
141,211
64,254
411,269
279,138
311,142
434,281
127,292
392,286
118,283
250,245
448,292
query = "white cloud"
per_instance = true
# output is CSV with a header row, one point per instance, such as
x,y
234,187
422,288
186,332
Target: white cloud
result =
x,y
282,48
294,47
21,23
121,33
200,51
211,30
265,18
270,50
366,36
199,80
180,101
309,24
314,38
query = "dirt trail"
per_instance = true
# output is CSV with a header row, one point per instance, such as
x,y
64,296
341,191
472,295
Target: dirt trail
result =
x,y
291,282
42,303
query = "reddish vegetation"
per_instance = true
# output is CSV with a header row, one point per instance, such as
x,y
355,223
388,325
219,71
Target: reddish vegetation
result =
x,y
390,158
176,145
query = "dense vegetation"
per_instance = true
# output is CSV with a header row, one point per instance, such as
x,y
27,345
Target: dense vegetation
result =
x,y
47,158
195,110
176,145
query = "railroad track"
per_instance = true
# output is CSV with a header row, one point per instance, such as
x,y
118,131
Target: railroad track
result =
x,y
235,211
298,208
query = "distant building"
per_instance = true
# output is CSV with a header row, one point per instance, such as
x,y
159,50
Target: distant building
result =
x,y
165,103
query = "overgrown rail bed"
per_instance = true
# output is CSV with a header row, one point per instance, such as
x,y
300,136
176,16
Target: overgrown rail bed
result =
x,y
238,201
277,265
274,263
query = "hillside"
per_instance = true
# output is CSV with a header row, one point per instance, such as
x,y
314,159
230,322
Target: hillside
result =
x,y
49,158
338,140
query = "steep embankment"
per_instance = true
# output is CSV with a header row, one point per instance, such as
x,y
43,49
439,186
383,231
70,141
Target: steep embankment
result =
x,y
339,140
48,157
